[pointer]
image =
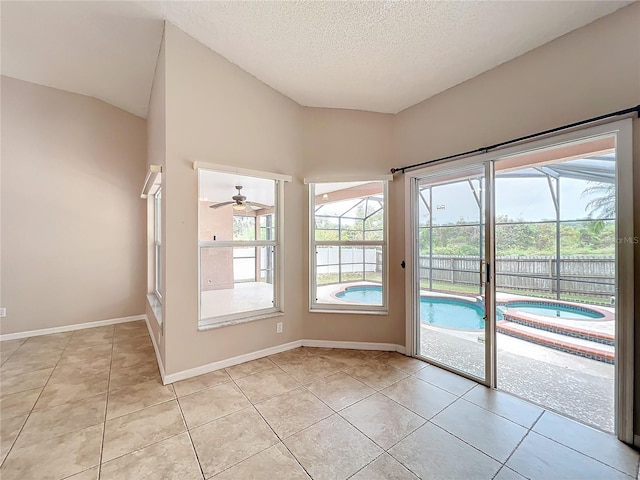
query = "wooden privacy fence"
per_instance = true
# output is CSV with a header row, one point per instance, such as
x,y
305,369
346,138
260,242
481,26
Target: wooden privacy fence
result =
x,y
579,274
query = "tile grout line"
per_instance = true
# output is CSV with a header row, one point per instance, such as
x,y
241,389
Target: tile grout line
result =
x,y
551,410
462,396
280,440
405,466
367,464
37,400
467,443
52,406
301,386
305,387
544,410
496,413
193,447
346,406
387,450
580,452
380,391
226,369
529,430
54,368
106,407
11,354
458,397
337,412
136,449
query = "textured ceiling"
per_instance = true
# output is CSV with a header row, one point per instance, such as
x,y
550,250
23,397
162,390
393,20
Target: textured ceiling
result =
x,y
377,56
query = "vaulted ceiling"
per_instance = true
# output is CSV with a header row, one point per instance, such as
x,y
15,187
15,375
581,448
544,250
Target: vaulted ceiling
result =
x,y
379,56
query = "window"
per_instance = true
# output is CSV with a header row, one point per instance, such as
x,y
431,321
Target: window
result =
x,y
348,246
157,240
239,246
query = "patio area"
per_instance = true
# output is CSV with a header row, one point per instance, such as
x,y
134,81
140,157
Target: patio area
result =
x,y
580,388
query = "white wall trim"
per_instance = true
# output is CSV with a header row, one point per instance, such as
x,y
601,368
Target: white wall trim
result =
x,y
155,349
230,362
349,178
69,328
386,347
241,171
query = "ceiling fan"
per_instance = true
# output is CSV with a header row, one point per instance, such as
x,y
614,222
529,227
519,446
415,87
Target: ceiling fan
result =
x,y
240,202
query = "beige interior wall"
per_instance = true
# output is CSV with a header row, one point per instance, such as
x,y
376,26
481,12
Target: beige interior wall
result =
x,y
218,113
156,153
73,238
350,143
591,71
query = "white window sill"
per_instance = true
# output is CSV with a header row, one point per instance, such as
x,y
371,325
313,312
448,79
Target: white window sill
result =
x,y
344,310
210,324
156,307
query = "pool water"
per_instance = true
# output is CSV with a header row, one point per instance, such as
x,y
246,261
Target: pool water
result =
x,y
371,295
465,315
443,312
555,310
451,313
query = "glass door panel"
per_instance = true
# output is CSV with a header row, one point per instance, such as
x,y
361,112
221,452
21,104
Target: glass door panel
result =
x,y
555,278
450,255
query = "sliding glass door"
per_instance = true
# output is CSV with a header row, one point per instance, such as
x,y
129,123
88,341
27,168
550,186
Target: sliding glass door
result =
x,y
555,276
521,272
451,301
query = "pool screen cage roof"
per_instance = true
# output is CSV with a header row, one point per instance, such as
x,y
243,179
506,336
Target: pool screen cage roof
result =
x,y
350,208
600,168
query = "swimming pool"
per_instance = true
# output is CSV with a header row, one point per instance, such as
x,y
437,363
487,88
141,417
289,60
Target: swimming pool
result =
x,y
369,294
451,313
440,311
558,310
462,314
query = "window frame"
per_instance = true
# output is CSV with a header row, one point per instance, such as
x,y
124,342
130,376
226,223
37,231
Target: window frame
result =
x,y
322,307
157,244
277,243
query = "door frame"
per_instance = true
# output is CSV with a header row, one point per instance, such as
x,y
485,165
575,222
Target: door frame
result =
x,y
625,242
486,274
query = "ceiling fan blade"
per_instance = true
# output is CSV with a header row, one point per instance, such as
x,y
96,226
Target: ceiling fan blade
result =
x,y
257,205
218,205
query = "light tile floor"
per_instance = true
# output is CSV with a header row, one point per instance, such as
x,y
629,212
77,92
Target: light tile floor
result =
x,y
90,404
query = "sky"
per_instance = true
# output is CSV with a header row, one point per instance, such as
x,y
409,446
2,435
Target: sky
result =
x,y
518,198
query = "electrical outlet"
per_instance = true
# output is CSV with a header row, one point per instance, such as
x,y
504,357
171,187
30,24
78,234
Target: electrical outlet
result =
x,y
3,312
279,327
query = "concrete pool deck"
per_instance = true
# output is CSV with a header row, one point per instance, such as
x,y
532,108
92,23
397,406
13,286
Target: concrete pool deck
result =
x,y
577,387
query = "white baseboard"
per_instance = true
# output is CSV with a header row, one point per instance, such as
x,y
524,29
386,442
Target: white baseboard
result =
x,y
230,362
155,349
69,328
386,347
